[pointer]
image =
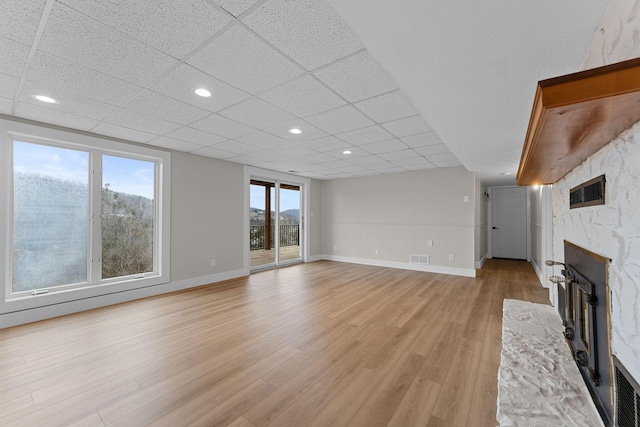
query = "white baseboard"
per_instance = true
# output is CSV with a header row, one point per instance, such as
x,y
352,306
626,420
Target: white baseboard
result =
x,y
543,281
480,263
467,272
61,309
315,258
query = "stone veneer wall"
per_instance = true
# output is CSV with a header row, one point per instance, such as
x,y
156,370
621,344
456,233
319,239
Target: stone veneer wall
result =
x,y
611,230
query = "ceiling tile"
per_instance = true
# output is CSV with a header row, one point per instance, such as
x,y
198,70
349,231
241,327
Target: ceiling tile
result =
x,y
235,147
384,146
402,154
326,143
212,152
296,151
6,105
163,107
408,126
265,156
196,136
184,80
258,114
319,158
68,102
8,86
222,126
334,164
379,165
174,27
263,140
444,157
236,7
356,153
120,132
56,73
366,135
393,170
53,116
387,107
174,144
139,121
411,161
357,77
308,31
241,59
419,167
366,160
309,132
82,40
19,19
422,140
353,169
447,163
14,56
302,96
432,149
341,119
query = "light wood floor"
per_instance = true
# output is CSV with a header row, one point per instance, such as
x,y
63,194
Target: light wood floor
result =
x,y
319,344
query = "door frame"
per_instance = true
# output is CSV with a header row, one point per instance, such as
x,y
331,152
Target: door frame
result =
x,y
251,172
527,221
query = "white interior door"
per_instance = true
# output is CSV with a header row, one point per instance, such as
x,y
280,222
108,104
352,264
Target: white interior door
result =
x,y
509,222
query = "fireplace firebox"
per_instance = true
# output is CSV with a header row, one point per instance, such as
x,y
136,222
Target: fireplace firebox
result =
x,y
583,304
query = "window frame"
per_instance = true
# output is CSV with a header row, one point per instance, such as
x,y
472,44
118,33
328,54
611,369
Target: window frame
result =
x,y
96,147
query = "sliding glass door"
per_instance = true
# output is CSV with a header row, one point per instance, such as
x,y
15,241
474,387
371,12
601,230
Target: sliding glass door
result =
x,y
275,223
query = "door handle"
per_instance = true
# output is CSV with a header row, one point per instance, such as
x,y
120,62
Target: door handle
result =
x,y
495,228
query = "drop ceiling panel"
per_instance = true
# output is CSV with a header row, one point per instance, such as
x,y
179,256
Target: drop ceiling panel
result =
x,y
235,147
240,59
55,117
14,56
423,166
308,31
398,155
365,135
139,121
432,149
174,27
196,136
5,105
357,77
181,83
444,157
53,72
388,107
8,86
302,96
120,132
213,152
174,144
80,39
384,146
263,140
257,113
447,163
236,7
19,19
327,143
422,139
309,132
296,151
411,161
67,102
223,126
341,119
408,126
319,158
366,160
163,107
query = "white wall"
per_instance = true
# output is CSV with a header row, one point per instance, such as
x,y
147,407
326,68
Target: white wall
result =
x,y
480,221
315,217
396,214
611,230
541,226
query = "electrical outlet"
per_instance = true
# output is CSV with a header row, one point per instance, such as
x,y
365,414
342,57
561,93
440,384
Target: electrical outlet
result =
x,y
335,248
377,253
429,242
451,257
213,262
466,199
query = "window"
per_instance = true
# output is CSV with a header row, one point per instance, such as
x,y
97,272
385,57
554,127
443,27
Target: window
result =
x,y
83,214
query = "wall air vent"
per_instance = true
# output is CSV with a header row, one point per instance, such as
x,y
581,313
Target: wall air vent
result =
x,y
627,397
590,193
419,259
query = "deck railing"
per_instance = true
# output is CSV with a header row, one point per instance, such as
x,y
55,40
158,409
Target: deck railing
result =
x,y
289,236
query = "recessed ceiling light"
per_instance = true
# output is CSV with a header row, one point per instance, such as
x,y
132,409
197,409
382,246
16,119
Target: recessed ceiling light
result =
x,y
44,98
202,92
346,152
295,131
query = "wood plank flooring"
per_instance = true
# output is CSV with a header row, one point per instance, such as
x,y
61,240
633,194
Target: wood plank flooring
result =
x,y
319,344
